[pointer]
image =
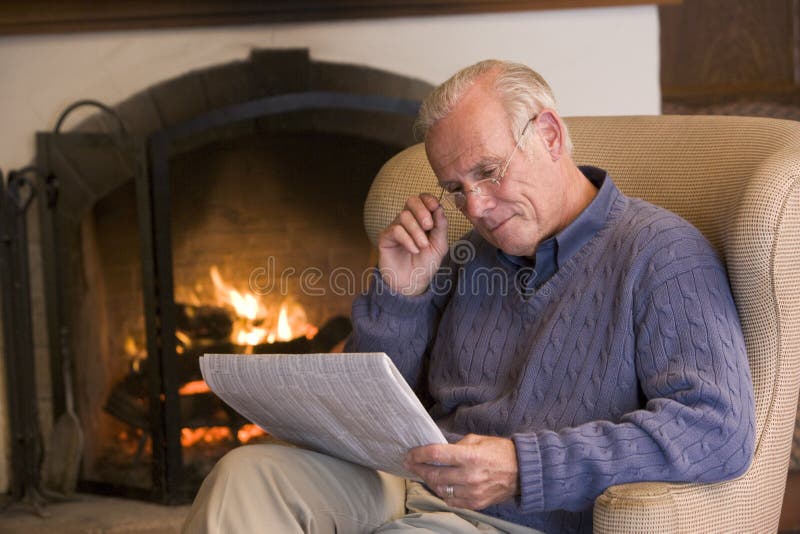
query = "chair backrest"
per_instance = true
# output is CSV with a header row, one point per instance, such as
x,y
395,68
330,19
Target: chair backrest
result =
x,y
738,180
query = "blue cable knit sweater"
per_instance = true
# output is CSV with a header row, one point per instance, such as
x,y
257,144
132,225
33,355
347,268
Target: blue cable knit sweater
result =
x,y
627,365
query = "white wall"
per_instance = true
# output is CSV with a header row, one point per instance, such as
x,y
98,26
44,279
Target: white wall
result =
x,y
598,61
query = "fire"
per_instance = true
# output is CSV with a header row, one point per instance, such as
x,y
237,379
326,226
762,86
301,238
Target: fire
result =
x,y
135,353
248,432
253,336
250,312
292,323
254,323
284,330
190,436
194,387
251,326
206,434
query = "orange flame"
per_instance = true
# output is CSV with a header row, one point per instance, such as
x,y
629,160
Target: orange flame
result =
x,y
194,387
135,353
251,316
192,436
248,432
284,331
254,324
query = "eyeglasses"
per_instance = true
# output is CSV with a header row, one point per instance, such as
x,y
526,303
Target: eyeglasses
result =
x,y
484,187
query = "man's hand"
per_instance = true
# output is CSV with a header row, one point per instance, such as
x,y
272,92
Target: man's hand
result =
x,y
413,246
482,470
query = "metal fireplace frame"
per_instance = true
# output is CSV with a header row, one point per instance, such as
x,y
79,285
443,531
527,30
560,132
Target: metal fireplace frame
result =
x,y
149,166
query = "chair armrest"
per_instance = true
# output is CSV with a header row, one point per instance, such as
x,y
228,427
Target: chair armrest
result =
x,y
638,507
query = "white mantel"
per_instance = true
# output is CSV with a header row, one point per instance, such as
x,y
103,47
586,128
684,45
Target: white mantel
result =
x,y
602,61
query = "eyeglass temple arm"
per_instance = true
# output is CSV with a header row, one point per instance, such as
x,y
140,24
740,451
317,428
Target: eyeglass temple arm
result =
x,y
516,147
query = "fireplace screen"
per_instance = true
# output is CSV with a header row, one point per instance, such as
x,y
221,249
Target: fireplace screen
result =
x,y
239,231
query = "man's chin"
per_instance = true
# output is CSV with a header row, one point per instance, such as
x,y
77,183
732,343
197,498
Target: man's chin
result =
x,y
499,237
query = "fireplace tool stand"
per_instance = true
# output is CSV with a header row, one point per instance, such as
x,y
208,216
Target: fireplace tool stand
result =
x,y
26,438
27,489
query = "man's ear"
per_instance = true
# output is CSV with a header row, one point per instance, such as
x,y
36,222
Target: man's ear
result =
x,y
550,127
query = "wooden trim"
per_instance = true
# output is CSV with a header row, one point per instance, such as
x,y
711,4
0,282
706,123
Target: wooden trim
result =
x,y
60,16
790,513
796,41
775,88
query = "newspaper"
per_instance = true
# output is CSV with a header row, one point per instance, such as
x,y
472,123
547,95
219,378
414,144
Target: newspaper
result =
x,y
355,406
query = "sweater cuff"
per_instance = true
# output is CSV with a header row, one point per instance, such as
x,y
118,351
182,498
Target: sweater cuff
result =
x,y
529,461
396,304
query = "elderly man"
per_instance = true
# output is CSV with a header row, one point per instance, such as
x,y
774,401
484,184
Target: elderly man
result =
x,y
617,357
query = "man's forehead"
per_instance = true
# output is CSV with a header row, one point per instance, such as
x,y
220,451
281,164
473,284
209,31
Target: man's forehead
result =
x,y
463,149
473,132
452,152
450,142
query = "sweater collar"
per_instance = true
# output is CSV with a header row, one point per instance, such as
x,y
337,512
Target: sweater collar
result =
x,y
554,252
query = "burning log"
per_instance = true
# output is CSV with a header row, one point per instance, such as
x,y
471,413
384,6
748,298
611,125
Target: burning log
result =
x,y
128,407
188,368
128,400
239,322
197,410
333,332
330,334
204,323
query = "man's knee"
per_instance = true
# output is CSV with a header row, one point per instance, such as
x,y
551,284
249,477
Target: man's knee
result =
x,y
245,460
297,489
243,492
282,468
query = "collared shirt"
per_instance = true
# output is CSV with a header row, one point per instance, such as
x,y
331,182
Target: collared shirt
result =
x,y
555,251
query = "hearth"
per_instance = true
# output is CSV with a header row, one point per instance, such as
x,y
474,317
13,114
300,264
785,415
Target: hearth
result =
x,y
233,229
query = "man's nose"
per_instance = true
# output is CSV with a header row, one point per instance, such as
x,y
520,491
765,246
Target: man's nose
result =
x,y
478,205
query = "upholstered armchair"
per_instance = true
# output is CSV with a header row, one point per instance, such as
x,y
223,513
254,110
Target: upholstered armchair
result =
x,y
738,180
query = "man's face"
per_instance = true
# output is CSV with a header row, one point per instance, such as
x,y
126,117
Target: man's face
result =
x,y
476,140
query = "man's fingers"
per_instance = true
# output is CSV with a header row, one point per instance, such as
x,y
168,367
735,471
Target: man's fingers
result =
x,y
412,247
439,232
398,235
430,201
411,225
422,218
418,207
437,476
434,455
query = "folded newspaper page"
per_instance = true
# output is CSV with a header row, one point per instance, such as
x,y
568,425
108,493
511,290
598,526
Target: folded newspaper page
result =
x,y
354,406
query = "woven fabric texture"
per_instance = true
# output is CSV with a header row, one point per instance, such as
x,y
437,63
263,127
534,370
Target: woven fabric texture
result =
x,y
738,180
750,109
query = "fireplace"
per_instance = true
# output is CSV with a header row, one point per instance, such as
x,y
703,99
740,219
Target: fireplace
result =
x,y
232,225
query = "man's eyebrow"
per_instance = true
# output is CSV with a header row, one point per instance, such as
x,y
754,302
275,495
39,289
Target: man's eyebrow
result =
x,y
475,172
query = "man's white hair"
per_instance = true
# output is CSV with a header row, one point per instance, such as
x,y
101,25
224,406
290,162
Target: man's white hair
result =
x,y
522,91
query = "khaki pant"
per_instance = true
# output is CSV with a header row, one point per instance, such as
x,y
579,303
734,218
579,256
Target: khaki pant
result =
x,y
283,490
